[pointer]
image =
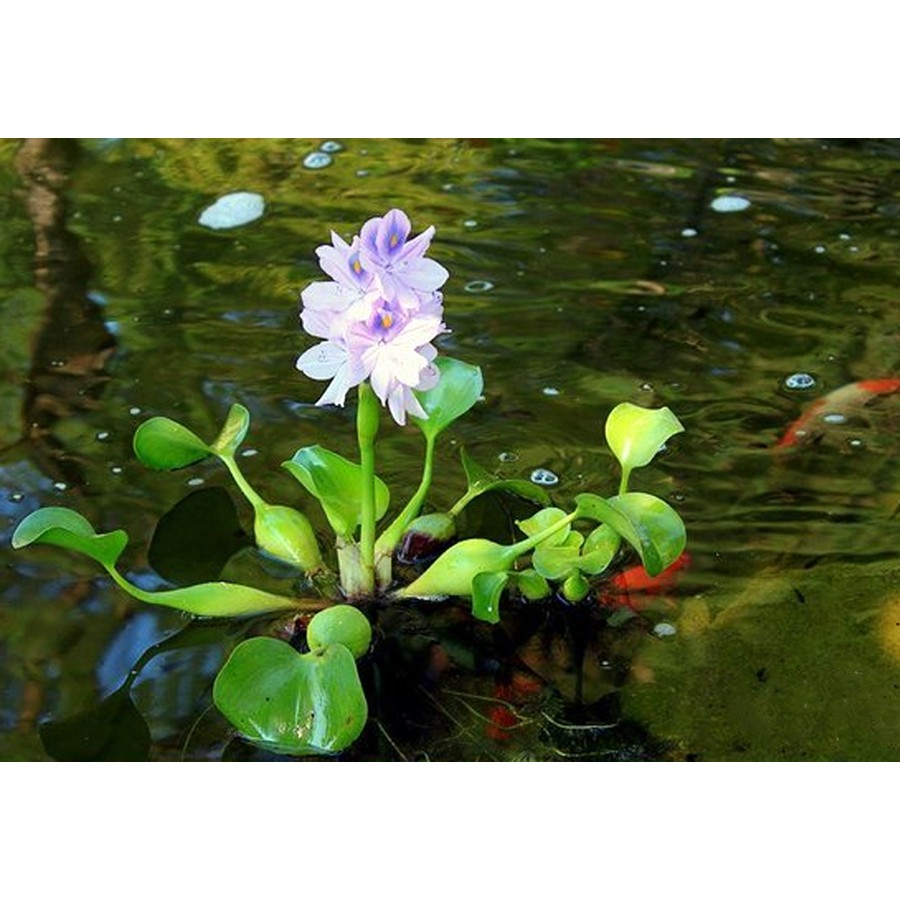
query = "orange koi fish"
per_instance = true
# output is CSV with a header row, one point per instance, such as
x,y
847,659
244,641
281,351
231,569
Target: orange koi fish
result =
x,y
842,402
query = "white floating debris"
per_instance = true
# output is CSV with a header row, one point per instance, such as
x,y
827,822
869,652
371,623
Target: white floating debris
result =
x,y
195,482
544,477
233,210
550,392
689,232
727,203
834,419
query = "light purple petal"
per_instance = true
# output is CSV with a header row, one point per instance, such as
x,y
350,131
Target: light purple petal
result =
x,y
322,361
421,274
418,331
418,246
393,230
336,392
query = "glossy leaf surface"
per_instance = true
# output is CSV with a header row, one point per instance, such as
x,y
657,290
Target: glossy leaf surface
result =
x,y
337,484
67,528
233,431
455,394
635,434
648,523
542,520
164,444
299,704
341,624
487,588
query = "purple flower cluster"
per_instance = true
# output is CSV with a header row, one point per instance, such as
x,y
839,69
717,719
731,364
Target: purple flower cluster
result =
x,y
377,316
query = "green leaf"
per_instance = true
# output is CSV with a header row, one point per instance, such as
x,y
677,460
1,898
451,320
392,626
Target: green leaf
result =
x,y
532,584
337,484
541,521
555,562
635,435
66,528
480,480
455,394
309,704
487,587
648,523
453,572
214,598
659,525
164,444
233,431
600,549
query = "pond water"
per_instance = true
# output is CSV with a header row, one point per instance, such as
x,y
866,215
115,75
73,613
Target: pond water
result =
x,y
739,283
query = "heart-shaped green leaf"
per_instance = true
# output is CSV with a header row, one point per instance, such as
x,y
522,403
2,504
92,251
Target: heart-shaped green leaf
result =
x,y
455,394
66,528
309,704
635,435
487,588
337,484
164,444
648,523
233,431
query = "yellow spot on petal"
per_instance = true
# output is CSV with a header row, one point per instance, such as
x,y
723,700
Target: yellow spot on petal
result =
x,y
357,266
394,240
386,320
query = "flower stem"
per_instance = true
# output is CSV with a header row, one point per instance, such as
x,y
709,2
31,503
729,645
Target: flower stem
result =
x,y
366,432
391,536
244,486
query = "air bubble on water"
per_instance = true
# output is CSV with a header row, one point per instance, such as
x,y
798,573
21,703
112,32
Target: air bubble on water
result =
x,y
646,386
856,442
544,477
135,410
728,203
316,160
16,497
834,419
550,392
507,456
102,436
116,470
60,485
195,482
689,232
361,173
331,147
819,249
478,287
799,381
249,452
665,629
471,223
843,237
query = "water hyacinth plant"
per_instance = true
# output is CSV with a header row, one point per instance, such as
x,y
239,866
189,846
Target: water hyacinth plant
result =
x,y
376,320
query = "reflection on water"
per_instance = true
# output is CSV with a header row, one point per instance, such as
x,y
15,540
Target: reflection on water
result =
x,y
583,273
